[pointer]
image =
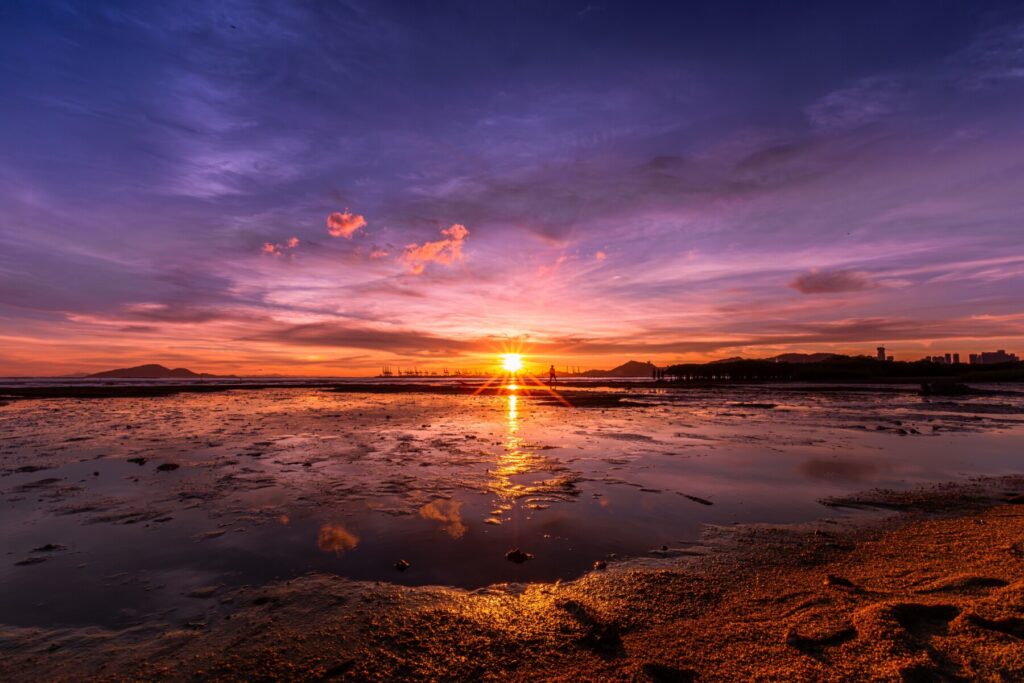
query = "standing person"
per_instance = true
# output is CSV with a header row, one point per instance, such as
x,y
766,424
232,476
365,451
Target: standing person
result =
x,y
551,376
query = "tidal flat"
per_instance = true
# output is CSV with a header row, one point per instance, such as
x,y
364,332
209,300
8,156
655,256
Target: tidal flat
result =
x,y
138,530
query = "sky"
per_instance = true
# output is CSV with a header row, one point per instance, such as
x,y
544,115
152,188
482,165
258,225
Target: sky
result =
x,y
322,188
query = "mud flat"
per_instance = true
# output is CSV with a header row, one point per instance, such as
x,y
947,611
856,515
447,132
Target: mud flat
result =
x,y
303,533
936,595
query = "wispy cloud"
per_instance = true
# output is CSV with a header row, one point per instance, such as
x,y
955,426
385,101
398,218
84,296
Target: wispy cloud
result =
x,y
444,251
831,282
279,249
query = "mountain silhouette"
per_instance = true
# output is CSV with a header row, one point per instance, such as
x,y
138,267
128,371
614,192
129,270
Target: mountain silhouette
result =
x,y
151,371
631,368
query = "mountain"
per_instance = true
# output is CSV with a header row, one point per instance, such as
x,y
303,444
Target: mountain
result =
x,y
151,371
628,369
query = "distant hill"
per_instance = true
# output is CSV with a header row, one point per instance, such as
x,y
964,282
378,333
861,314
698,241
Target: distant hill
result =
x,y
806,357
151,371
786,358
628,369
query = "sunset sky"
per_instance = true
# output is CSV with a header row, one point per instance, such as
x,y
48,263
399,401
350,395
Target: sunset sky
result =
x,y
323,187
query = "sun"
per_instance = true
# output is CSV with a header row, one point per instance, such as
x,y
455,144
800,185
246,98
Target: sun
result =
x,y
511,362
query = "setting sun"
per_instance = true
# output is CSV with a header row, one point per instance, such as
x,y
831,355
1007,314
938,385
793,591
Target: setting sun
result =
x,y
511,362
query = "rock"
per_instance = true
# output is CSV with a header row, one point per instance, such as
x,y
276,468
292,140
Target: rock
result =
x,y
402,565
49,548
167,467
518,556
833,580
138,461
600,564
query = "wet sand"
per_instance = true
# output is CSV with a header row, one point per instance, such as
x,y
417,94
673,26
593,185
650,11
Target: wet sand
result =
x,y
675,536
916,597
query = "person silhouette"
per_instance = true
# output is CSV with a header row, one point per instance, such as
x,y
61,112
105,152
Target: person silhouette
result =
x,y
551,376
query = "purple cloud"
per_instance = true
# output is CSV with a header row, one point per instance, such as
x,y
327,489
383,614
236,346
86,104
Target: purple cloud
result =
x,y
831,282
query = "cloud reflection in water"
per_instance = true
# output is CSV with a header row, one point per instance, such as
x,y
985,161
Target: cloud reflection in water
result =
x,y
448,512
334,538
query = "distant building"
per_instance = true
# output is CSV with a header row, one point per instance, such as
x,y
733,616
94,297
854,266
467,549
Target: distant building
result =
x,y
949,358
881,353
1000,356
889,359
975,359
956,359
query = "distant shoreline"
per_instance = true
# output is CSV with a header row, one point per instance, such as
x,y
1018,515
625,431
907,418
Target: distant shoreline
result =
x,y
580,392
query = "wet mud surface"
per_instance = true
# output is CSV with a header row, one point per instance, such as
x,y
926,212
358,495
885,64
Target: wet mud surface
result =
x,y
124,513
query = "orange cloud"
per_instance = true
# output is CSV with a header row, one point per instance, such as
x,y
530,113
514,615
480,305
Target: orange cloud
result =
x,y
279,249
600,256
344,223
444,251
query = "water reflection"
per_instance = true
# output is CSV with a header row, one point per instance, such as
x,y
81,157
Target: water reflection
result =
x,y
334,538
449,513
514,460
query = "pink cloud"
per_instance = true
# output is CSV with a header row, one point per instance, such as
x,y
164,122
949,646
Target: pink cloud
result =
x,y
279,249
600,256
444,251
377,252
344,223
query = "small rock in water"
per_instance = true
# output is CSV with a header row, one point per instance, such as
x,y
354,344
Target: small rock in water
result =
x,y
402,565
49,548
167,467
137,461
600,564
518,556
